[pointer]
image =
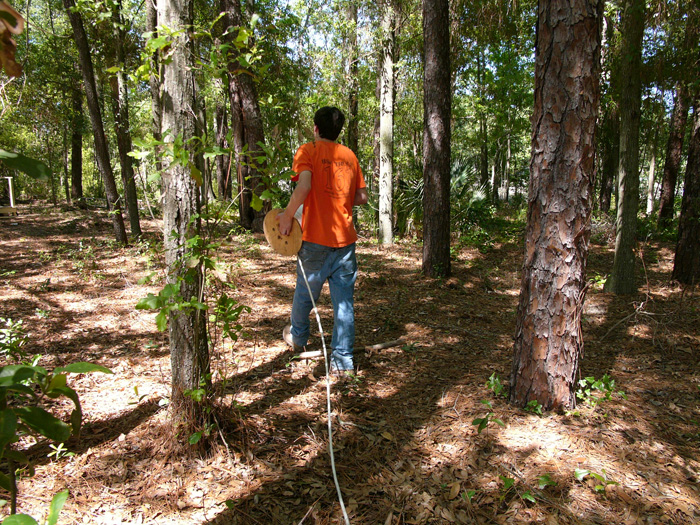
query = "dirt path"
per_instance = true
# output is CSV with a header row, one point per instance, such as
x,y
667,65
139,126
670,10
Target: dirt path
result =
x,y
406,448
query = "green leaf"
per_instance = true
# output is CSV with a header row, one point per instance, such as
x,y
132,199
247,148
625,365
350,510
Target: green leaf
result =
x,y
194,438
150,302
507,482
19,519
499,422
580,473
196,174
529,497
12,374
34,168
82,367
256,202
162,321
55,508
8,427
192,262
44,423
5,482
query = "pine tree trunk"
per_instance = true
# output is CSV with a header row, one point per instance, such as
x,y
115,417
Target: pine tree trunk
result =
x,y
223,162
674,150
76,143
548,342
101,148
189,352
353,72
154,80
622,279
686,265
437,108
386,130
243,90
120,107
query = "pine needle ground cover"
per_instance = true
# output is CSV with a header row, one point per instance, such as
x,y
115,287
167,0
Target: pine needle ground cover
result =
x,y
407,446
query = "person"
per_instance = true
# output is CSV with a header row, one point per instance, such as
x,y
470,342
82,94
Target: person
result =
x,y
329,183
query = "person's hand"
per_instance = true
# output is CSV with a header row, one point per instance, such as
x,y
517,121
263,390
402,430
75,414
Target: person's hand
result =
x,y
285,223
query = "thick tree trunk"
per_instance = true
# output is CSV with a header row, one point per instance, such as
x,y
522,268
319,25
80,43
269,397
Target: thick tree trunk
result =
x,y
386,130
76,143
252,125
437,110
622,279
674,149
189,352
120,107
548,340
101,148
686,265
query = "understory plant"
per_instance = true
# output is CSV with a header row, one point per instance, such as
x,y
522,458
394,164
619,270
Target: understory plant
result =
x,y
26,395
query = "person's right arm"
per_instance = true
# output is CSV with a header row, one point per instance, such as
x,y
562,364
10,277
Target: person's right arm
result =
x,y
298,197
361,197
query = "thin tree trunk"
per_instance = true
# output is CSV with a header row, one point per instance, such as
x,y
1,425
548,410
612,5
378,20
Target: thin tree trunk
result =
x,y
76,142
189,352
674,150
154,80
101,148
610,140
437,109
548,338
651,180
120,107
686,264
386,130
223,162
66,176
622,279
353,72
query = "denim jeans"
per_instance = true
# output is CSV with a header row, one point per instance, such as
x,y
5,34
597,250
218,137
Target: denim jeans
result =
x,y
339,267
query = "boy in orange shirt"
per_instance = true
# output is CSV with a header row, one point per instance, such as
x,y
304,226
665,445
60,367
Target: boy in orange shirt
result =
x,y
330,183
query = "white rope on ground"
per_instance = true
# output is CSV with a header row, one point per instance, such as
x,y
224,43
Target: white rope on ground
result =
x,y
328,398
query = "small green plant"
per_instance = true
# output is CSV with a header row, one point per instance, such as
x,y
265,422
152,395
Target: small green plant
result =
x,y
544,481
594,391
23,391
533,406
55,507
482,423
59,452
468,495
494,384
42,313
602,479
12,338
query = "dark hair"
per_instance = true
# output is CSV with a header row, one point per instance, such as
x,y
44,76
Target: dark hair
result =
x,y
329,121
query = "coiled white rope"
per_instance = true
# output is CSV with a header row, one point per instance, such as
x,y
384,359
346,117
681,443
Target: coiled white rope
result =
x,y
328,399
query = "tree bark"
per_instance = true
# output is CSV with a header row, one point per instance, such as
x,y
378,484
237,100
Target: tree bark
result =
x,y
437,110
120,107
252,124
101,147
610,152
154,81
189,353
352,76
223,162
686,264
674,149
622,279
386,129
548,342
76,142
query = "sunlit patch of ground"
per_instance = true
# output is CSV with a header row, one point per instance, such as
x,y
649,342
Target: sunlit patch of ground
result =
x,y
406,446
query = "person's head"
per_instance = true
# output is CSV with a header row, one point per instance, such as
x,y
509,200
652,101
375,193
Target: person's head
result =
x,y
329,121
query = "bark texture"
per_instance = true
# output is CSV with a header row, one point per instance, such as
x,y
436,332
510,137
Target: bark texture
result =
x,y
437,109
674,149
223,162
548,340
120,107
386,129
189,354
245,108
76,143
686,265
93,103
622,279
610,152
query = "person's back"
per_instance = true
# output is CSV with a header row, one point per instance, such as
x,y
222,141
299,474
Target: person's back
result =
x,y
329,184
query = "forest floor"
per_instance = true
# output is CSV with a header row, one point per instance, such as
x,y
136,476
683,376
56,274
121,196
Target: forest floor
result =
x,y
406,448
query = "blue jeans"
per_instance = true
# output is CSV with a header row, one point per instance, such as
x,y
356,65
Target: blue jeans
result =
x,y
339,267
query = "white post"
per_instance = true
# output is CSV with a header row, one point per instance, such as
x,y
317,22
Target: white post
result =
x,y
12,195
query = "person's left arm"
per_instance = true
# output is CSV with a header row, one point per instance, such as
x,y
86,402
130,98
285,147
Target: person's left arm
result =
x,y
298,197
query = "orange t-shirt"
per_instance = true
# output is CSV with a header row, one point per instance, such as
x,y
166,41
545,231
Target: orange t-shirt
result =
x,y
335,177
